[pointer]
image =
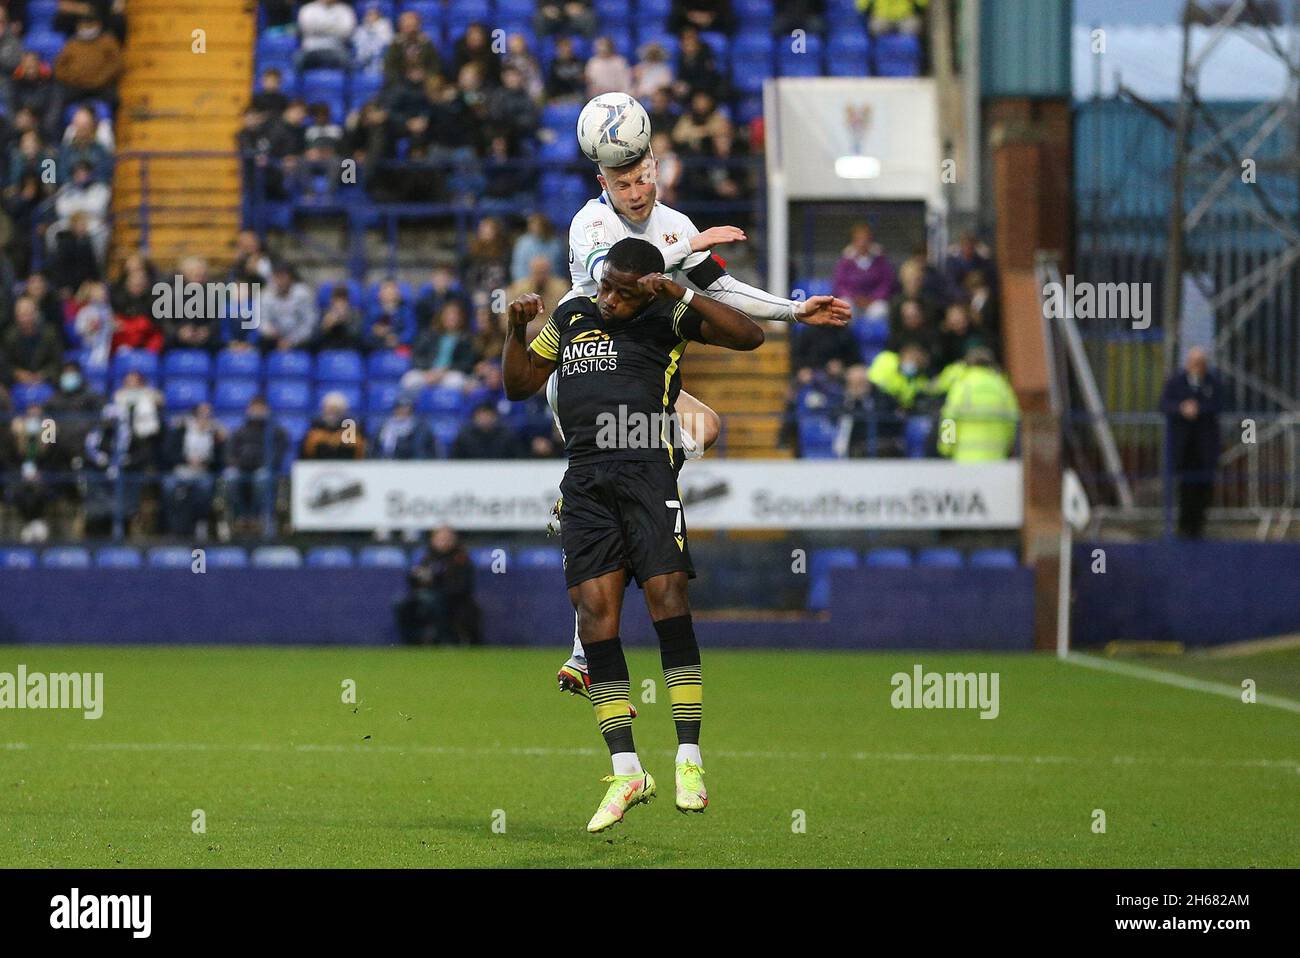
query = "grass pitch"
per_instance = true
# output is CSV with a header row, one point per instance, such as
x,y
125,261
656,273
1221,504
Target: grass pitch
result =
x,y
471,758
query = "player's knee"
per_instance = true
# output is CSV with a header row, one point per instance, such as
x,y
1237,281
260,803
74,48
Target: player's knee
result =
x,y
666,597
597,619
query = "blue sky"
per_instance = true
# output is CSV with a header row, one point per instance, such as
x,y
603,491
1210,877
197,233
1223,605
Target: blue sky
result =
x,y
1126,11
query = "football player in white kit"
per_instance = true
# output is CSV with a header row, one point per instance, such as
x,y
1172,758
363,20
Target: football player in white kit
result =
x,y
628,206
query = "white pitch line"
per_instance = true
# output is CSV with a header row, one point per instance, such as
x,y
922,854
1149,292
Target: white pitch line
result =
x,y
1180,681
1288,764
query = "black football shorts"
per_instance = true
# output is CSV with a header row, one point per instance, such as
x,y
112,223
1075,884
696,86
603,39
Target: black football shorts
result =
x,y
620,513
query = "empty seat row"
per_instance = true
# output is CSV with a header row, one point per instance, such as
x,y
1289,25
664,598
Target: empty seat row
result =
x,y
822,561
485,558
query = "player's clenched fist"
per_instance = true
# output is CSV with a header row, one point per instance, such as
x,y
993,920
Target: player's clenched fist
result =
x,y
657,284
524,309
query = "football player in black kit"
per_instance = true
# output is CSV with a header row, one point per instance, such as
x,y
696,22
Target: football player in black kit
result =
x,y
618,356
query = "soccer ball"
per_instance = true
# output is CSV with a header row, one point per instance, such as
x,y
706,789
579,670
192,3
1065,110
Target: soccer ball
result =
x,y
614,130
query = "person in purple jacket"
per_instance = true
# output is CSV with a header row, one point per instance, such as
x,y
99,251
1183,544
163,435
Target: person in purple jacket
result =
x,y
865,276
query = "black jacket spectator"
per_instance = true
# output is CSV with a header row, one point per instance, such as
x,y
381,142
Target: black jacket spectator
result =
x,y
1191,401
486,438
440,606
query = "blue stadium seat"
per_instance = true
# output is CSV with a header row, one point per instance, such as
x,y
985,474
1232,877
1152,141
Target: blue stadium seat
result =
x,y
381,557
372,294
187,362
430,11
351,391
27,394
40,15
289,395
654,8
524,8
239,364
870,332
17,558
916,436
807,63
482,557
289,364
171,557
753,62
276,46
65,557
330,557
356,293
539,557
226,557
388,365
339,365
234,394
445,430
296,426
940,557
848,55
561,117
467,11
381,394
276,557
364,88
325,86
888,559
559,149
118,557
753,12
820,564
441,401
898,55
816,437
720,44
748,109
185,392
993,559
135,360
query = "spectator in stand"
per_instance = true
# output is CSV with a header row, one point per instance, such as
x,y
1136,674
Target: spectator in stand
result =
x,y
718,180
538,239
510,108
94,322
607,70
29,450
112,451
88,197
82,144
48,303
11,54
252,264
911,281
141,408
652,73
195,453
669,167
31,350
969,254
983,409
340,324
1191,401
806,15
893,16
696,68
701,15
333,435
489,341
31,88
820,354
564,17
958,336
74,409
288,317
901,374
475,46
864,275
75,258
443,355
133,325
325,28
541,279
266,143
443,286
271,100
393,312
410,48
88,67
322,141
912,325
504,177
191,332
110,12
256,450
697,127
868,419
27,188
662,111
403,434
983,304
487,265
567,79
440,606
370,40
485,437
519,57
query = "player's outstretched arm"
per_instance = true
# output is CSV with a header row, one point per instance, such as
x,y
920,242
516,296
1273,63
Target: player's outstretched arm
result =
x,y
721,325
522,369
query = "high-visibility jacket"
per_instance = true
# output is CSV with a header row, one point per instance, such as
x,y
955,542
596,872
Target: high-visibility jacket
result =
x,y
887,377
979,417
892,10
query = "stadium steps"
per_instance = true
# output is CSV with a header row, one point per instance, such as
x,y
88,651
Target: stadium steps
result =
x,y
747,390
177,100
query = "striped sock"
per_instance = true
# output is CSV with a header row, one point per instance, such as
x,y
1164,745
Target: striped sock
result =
x,y
680,655
611,693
